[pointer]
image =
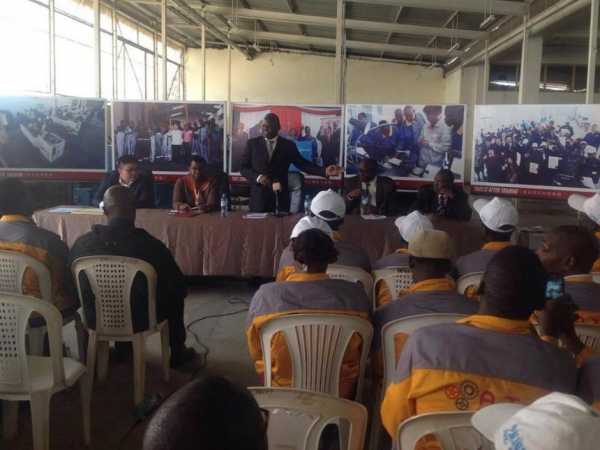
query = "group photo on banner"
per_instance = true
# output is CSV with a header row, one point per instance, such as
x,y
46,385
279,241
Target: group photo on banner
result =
x,y
316,131
52,134
536,147
163,136
408,141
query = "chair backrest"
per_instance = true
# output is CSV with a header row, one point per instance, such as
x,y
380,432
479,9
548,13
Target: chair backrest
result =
x,y
589,335
317,344
352,274
297,418
398,280
12,270
596,277
406,325
110,279
469,280
453,431
15,310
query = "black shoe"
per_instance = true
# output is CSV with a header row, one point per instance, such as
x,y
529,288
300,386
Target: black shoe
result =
x,y
181,357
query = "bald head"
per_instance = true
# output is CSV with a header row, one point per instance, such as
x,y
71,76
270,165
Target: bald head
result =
x,y
208,414
569,250
119,202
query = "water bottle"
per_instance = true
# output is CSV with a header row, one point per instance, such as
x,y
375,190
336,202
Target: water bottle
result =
x,y
364,202
224,205
307,205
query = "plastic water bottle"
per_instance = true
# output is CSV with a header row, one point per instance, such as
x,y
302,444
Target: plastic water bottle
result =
x,y
224,205
364,202
307,205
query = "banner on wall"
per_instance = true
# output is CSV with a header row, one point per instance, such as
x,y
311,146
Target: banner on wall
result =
x,y
542,151
316,130
52,137
410,143
163,136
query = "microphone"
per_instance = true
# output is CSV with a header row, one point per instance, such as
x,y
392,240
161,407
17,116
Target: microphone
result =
x,y
276,189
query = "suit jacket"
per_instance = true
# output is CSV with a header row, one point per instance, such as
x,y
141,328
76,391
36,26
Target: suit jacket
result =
x,y
457,208
143,188
385,196
255,162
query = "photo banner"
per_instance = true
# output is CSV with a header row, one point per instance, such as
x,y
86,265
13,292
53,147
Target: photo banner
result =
x,y
543,151
53,137
410,143
316,131
163,136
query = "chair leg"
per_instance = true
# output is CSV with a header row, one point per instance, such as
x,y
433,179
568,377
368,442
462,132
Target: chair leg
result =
x,y
40,419
139,369
91,361
166,352
82,337
36,341
102,349
86,400
10,419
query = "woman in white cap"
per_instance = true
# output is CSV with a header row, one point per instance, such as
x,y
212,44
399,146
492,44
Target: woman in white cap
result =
x,y
590,206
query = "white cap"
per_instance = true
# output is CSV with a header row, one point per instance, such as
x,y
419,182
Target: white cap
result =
x,y
308,223
590,206
497,213
588,150
411,224
554,422
330,201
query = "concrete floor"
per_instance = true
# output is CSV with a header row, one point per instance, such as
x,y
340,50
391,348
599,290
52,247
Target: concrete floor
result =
x,y
113,420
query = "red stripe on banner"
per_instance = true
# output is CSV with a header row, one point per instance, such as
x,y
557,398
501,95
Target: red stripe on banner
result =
x,y
524,192
52,175
298,109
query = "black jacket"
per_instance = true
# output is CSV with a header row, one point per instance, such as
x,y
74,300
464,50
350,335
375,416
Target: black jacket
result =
x,y
143,188
457,208
385,196
121,238
255,162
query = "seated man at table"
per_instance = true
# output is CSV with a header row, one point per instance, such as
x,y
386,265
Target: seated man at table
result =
x,y
19,233
590,206
381,190
197,190
120,237
128,175
499,219
444,198
492,356
569,251
306,292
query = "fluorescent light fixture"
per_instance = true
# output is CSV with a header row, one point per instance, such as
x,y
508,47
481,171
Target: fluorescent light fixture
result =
x,y
455,46
504,83
451,60
556,87
467,49
487,21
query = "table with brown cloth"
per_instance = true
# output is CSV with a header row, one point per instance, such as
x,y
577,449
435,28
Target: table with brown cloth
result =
x,y
212,245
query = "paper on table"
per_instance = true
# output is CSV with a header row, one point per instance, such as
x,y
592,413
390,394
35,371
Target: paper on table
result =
x,y
61,210
372,217
90,211
256,216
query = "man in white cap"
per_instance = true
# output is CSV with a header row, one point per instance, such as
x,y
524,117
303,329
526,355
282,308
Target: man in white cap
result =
x,y
590,206
554,422
499,219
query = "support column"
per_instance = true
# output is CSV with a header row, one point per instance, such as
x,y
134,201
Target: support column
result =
x,y
592,53
203,58
531,66
486,74
340,53
97,51
163,30
155,69
115,54
52,30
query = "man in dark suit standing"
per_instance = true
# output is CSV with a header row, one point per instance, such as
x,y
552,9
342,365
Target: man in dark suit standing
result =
x,y
129,176
381,190
265,163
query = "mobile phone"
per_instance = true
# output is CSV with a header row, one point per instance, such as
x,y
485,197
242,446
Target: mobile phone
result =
x,y
555,288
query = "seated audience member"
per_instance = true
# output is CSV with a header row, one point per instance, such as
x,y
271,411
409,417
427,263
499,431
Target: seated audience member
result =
x,y
444,198
309,291
129,176
330,207
120,237
569,251
589,382
433,291
209,413
196,190
408,226
554,422
19,233
381,190
499,219
287,263
492,356
590,206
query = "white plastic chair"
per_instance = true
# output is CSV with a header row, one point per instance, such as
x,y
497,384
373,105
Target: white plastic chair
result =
x,y
589,335
468,280
398,280
12,270
297,418
596,277
352,274
317,344
110,279
452,429
35,378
